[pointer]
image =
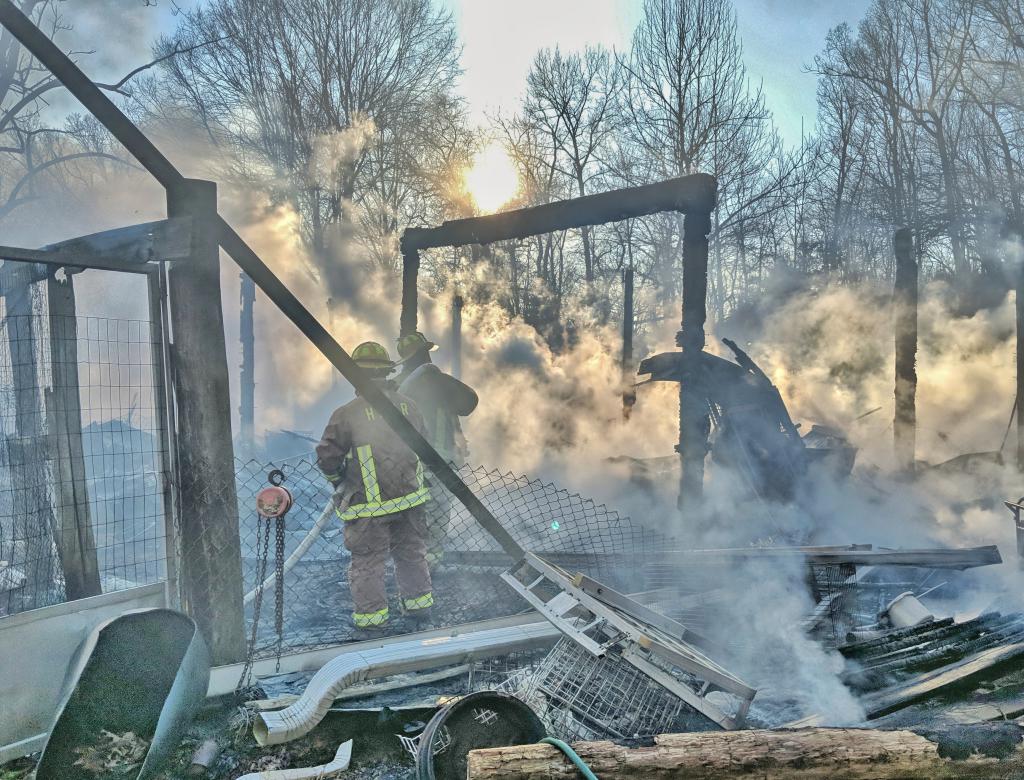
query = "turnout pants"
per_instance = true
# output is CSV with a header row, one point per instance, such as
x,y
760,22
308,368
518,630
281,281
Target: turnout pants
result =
x,y
372,540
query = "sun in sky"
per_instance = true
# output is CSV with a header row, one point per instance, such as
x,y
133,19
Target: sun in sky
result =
x,y
491,180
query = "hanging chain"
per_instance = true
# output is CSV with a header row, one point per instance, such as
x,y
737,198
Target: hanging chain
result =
x,y
279,588
272,504
262,554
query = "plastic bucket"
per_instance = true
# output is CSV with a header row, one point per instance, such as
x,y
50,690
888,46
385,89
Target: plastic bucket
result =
x,y
905,611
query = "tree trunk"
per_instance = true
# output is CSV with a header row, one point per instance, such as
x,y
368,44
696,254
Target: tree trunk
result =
x,y
905,320
953,216
813,753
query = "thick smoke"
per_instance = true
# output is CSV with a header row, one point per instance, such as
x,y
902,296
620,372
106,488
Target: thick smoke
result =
x,y
558,414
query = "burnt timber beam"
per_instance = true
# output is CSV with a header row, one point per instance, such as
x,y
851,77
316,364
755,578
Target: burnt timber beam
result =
x,y
905,295
211,554
129,249
154,161
694,418
694,194
952,677
53,260
941,558
686,194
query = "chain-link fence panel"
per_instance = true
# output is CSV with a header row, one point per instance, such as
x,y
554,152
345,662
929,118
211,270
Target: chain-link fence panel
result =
x,y
352,571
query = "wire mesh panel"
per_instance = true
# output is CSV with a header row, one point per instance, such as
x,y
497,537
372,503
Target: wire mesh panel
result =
x,y
82,446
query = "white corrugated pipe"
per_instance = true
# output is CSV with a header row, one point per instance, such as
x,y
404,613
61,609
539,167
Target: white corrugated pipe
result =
x,y
300,551
340,764
415,655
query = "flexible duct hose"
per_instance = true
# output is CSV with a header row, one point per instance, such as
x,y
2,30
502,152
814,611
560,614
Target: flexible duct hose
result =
x,y
414,655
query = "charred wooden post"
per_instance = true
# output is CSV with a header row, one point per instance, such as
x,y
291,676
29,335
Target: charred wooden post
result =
x,y
905,294
628,393
1018,231
456,345
694,422
247,377
163,401
211,567
32,518
76,544
410,278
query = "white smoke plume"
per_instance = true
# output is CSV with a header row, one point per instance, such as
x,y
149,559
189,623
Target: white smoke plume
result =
x,y
558,415
339,149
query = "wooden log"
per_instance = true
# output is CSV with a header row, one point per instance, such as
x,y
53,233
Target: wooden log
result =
x,y
818,753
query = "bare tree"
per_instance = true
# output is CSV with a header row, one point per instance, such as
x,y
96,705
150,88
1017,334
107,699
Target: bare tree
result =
x,y
41,149
570,100
323,102
688,106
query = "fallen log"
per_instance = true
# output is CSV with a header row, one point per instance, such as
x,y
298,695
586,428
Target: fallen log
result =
x,y
812,753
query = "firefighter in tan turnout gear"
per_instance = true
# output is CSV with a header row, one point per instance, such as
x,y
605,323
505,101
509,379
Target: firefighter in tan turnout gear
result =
x,y
380,494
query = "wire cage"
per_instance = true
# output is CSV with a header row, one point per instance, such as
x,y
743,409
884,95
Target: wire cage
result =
x,y
580,696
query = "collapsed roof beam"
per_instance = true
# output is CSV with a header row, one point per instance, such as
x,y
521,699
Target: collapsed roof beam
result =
x,y
687,194
130,249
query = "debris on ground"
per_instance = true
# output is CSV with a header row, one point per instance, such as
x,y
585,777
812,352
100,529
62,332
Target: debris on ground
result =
x,y
112,755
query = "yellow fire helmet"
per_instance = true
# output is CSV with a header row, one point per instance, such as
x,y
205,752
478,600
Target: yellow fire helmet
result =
x,y
412,343
372,355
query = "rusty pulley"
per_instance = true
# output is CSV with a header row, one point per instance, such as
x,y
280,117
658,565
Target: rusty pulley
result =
x,y
274,500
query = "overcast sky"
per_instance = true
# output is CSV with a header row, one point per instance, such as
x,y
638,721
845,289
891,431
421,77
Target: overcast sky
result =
x,y
500,38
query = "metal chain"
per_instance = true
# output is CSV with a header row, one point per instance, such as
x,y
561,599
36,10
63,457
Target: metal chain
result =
x,y
262,554
279,588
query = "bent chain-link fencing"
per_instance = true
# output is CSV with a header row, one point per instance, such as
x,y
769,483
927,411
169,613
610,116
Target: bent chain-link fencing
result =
x,y
464,562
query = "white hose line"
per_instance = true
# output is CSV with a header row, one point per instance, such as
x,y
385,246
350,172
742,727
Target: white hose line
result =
x,y
300,551
340,764
415,655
